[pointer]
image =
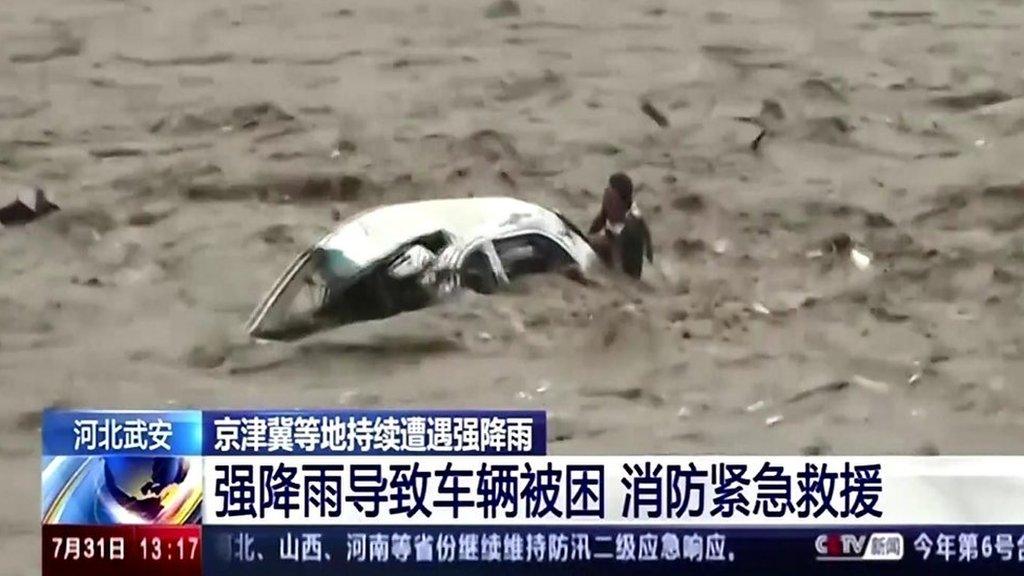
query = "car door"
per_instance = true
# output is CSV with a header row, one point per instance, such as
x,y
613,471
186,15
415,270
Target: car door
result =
x,y
479,267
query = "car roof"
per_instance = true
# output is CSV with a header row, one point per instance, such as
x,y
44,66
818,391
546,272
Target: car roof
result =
x,y
375,233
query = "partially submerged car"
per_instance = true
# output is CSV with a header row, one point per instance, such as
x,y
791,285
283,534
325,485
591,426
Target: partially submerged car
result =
x,y
404,257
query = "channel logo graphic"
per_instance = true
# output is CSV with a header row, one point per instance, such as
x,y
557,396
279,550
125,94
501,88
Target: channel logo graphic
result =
x,y
886,546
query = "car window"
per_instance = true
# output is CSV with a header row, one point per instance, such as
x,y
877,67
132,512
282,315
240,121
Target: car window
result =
x,y
531,254
334,264
476,272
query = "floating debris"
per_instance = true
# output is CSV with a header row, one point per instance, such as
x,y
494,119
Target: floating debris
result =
x,y
683,412
720,246
827,387
860,258
917,375
760,308
653,113
844,246
756,144
26,207
773,420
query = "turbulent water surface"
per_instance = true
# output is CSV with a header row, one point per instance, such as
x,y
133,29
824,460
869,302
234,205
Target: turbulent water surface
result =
x,y
851,284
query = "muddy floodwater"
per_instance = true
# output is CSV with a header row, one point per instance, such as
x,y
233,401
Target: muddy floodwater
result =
x,y
836,192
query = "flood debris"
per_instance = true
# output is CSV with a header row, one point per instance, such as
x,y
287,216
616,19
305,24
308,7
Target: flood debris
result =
x,y
653,113
861,258
827,387
755,145
917,375
844,246
26,207
972,100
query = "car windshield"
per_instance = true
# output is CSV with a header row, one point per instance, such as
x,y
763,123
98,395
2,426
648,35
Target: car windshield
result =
x,y
334,264
325,288
296,303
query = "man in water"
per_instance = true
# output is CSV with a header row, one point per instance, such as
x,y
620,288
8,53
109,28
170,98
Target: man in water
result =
x,y
619,232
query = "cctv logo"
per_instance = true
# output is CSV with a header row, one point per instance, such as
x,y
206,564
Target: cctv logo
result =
x,y
877,546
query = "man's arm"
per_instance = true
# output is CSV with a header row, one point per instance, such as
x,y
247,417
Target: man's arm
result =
x,y
598,222
648,242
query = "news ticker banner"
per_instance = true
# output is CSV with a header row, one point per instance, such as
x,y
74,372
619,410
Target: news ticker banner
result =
x,y
122,491
369,492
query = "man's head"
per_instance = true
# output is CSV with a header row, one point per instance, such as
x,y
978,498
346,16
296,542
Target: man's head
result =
x,y
623,186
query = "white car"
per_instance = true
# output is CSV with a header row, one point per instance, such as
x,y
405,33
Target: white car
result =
x,y
404,257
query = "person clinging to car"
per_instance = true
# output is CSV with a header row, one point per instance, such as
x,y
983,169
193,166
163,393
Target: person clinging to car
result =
x,y
618,233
